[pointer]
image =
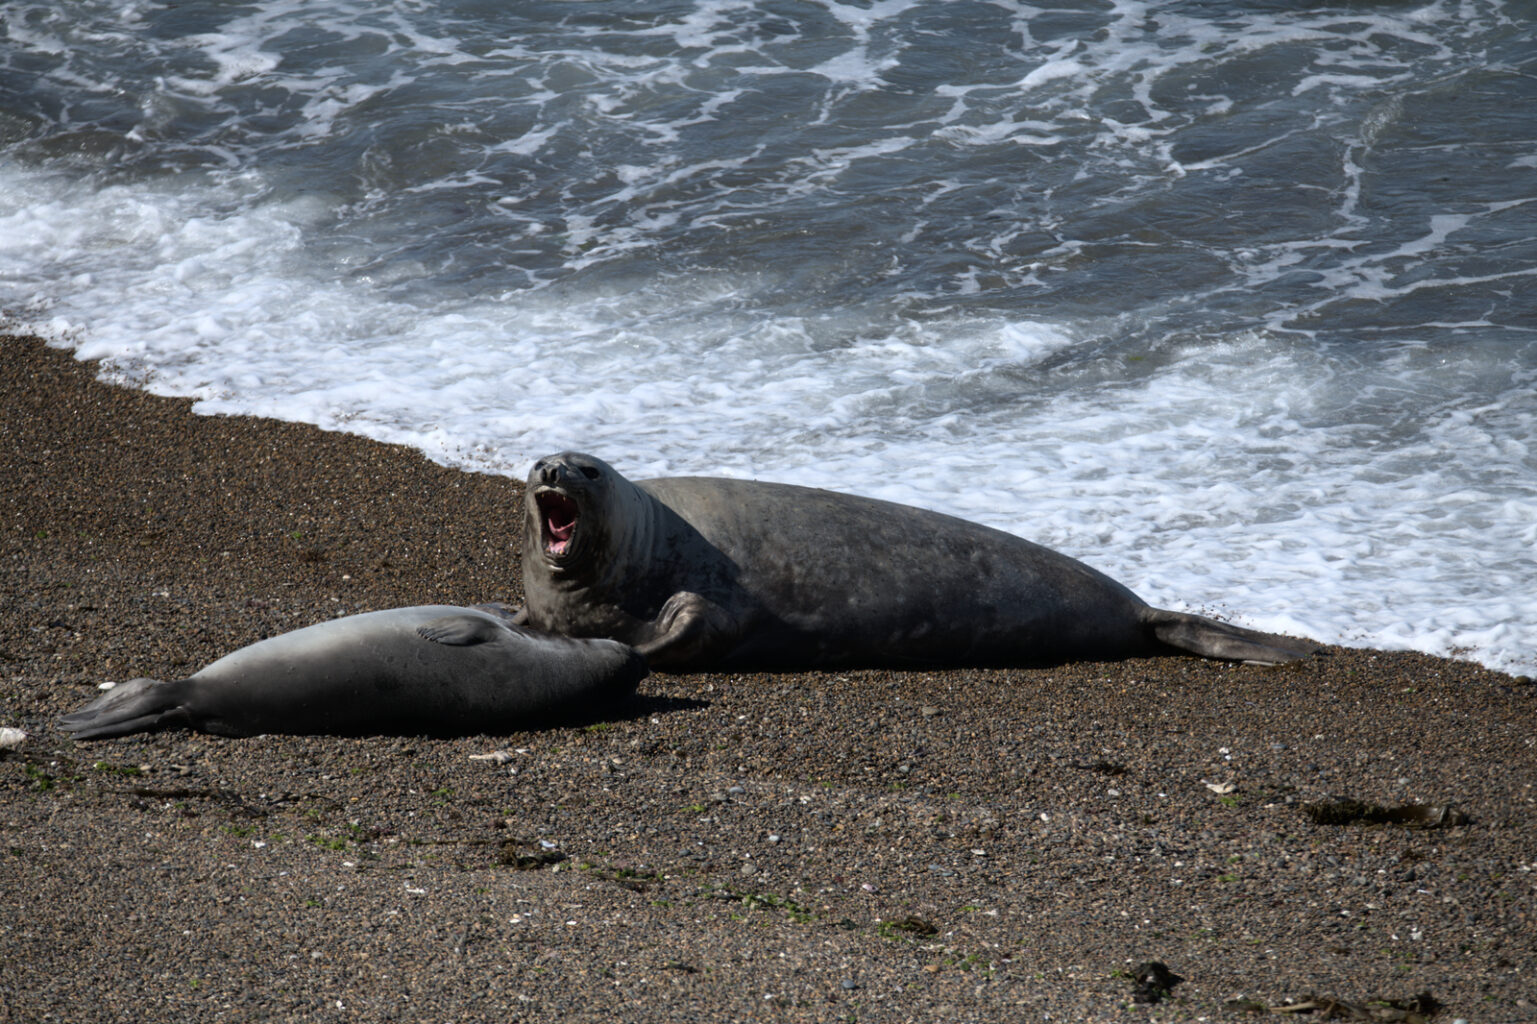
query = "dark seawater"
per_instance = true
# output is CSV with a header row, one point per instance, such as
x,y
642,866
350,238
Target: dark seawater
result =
x,y
1233,300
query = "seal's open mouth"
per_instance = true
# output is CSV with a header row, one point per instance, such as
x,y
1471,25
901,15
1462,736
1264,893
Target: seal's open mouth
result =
x,y
558,514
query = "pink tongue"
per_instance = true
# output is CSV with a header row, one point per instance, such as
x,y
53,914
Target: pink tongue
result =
x,y
559,523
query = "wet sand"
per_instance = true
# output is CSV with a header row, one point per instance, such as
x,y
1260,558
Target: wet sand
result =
x,y
876,846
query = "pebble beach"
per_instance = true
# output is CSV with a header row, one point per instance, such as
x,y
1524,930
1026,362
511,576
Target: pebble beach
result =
x,y
969,845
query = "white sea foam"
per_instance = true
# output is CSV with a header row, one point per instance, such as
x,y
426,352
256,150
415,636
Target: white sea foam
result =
x,y
1201,485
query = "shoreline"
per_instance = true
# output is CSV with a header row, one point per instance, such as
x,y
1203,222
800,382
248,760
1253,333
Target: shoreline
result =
x,y
967,845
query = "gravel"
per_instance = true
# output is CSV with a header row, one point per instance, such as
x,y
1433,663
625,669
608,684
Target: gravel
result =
x,y
974,845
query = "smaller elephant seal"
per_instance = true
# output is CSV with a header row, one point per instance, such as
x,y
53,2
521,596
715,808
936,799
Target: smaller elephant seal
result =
x,y
426,670
706,573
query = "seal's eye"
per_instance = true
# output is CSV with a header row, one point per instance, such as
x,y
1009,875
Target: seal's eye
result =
x,y
590,472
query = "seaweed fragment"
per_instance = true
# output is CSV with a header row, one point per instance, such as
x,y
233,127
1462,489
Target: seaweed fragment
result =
x,y
1152,982
915,925
510,857
1352,812
1414,1010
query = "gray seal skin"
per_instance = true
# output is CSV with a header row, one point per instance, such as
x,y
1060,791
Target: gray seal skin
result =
x,y
706,573
430,669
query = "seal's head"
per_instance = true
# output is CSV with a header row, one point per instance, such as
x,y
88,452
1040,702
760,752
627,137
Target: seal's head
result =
x,y
566,508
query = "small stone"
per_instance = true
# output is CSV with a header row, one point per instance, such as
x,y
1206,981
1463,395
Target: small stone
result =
x,y
849,984
928,711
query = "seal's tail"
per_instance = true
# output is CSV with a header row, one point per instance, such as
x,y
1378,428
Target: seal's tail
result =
x,y
1213,639
139,705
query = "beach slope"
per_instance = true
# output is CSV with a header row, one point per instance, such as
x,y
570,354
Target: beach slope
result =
x,y
875,846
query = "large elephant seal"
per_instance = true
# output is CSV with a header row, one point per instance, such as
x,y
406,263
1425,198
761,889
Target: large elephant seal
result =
x,y
707,573
433,669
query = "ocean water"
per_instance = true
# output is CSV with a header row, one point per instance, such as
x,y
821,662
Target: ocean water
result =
x,y
1236,301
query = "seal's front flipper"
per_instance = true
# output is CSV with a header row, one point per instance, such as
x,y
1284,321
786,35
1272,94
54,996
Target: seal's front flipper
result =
x,y
504,611
139,705
1212,639
460,630
689,630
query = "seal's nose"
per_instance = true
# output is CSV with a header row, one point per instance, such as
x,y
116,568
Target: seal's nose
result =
x,y
547,472
561,470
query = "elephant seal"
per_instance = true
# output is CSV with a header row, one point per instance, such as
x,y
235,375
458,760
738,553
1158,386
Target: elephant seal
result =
x,y
707,573
431,669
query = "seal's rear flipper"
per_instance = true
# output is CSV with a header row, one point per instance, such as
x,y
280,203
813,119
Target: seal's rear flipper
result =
x,y
139,705
1212,639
